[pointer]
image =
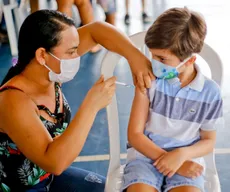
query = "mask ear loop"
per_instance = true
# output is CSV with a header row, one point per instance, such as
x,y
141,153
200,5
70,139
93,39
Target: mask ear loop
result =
x,y
185,61
54,56
46,67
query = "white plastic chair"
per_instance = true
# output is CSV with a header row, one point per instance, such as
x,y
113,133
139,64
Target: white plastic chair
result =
x,y
10,26
115,171
10,9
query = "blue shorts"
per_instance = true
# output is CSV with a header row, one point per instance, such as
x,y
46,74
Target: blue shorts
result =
x,y
141,170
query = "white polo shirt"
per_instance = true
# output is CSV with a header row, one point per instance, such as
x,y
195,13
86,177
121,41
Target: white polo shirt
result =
x,y
176,115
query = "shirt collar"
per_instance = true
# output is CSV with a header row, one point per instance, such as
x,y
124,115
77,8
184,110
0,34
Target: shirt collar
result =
x,y
197,83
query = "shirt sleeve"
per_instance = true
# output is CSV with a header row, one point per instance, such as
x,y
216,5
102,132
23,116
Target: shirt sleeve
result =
x,y
151,91
214,119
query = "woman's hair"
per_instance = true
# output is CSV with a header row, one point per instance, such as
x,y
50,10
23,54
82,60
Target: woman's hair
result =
x,y
179,30
40,29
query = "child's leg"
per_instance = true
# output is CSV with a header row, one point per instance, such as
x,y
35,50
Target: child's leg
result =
x,y
111,18
143,5
185,189
145,17
141,176
34,5
110,12
178,183
65,6
85,10
139,187
127,17
127,6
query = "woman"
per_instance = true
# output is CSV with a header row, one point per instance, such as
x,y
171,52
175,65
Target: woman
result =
x,y
36,147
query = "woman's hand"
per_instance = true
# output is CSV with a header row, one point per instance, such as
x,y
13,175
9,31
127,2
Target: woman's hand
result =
x,y
170,162
101,94
141,71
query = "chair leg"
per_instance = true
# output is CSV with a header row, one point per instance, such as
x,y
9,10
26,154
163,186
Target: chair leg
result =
x,y
1,10
18,19
7,10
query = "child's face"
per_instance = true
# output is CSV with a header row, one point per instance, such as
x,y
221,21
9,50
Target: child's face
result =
x,y
168,58
165,56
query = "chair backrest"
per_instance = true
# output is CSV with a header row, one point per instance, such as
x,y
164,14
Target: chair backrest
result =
x,y
207,53
1,10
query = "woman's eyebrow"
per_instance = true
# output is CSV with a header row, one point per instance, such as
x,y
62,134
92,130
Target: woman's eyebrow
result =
x,y
75,47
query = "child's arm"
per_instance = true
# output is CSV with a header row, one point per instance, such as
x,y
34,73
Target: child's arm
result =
x,y
141,143
172,161
202,147
137,121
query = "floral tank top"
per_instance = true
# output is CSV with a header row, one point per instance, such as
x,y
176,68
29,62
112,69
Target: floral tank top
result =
x,y
17,173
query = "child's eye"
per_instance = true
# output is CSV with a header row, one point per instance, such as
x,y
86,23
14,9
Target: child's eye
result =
x,y
162,59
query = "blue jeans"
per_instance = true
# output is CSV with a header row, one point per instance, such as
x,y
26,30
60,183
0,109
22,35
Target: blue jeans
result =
x,y
72,180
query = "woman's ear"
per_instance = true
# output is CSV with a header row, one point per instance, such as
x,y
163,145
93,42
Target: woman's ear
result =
x,y
40,56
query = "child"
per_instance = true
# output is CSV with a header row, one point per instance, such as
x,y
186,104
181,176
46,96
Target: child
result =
x,y
173,126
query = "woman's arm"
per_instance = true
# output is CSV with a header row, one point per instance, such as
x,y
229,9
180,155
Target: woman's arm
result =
x,y
19,119
138,118
113,40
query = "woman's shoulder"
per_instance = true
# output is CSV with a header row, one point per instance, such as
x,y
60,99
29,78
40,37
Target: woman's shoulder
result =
x,y
15,103
18,86
11,90
12,95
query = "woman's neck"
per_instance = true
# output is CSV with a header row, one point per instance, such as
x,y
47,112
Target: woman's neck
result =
x,y
37,75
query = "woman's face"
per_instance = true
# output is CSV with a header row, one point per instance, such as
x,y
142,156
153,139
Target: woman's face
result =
x,y
66,49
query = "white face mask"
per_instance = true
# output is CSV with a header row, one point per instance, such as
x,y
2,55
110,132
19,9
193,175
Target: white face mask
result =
x,y
69,68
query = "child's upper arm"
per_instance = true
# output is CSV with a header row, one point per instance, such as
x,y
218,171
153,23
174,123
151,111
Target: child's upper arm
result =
x,y
139,112
208,135
214,118
213,121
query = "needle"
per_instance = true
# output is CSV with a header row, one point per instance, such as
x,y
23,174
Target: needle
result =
x,y
124,84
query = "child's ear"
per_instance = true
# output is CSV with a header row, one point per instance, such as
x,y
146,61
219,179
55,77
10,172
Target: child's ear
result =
x,y
192,60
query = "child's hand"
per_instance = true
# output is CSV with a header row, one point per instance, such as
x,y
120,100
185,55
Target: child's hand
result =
x,y
190,169
170,162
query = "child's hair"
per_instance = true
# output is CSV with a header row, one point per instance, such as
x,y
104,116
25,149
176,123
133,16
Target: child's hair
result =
x,y
179,30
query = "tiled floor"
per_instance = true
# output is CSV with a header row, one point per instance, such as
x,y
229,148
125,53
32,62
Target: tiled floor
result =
x,y
217,16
